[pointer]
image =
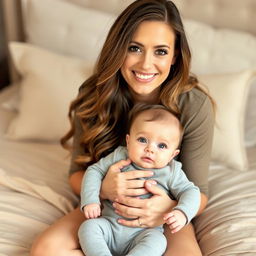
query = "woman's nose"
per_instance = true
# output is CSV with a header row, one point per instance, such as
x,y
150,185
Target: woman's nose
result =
x,y
147,61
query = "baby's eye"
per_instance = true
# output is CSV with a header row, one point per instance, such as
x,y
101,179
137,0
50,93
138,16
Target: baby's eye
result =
x,y
162,145
134,48
142,140
161,52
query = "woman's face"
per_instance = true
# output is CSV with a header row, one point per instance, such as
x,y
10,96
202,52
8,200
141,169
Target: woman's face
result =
x,y
149,59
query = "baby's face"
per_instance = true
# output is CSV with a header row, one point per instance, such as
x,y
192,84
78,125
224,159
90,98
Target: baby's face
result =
x,y
152,144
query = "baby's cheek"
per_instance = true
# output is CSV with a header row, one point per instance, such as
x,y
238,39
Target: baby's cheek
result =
x,y
162,161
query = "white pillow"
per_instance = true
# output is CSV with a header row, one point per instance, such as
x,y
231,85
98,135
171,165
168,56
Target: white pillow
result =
x,y
230,92
49,83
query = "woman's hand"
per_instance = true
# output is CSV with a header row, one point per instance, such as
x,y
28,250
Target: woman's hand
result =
x,y
149,212
117,183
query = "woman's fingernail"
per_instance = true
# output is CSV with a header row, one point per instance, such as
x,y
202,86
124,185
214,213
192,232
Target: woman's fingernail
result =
x,y
152,182
114,205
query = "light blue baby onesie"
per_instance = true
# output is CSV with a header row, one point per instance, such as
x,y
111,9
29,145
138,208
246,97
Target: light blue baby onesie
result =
x,y
104,236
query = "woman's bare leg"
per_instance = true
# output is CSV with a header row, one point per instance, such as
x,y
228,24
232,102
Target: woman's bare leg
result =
x,y
182,243
60,238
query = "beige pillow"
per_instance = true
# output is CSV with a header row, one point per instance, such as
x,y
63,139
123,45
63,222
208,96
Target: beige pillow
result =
x,y
49,83
230,92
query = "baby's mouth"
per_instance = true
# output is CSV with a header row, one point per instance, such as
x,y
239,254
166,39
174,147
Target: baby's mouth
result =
x,y
147,159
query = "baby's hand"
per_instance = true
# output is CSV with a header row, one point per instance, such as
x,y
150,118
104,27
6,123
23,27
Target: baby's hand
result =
x,y
92,211
176,220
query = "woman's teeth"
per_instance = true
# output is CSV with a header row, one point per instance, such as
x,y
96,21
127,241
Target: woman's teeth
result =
x,y
145,77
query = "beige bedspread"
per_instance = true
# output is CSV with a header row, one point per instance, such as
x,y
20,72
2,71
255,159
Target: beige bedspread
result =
x,y
34,192
228,224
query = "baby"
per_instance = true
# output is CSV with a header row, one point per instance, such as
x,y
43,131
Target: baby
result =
x,y
152,143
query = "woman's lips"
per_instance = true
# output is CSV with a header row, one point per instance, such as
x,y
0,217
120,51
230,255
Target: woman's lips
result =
x,y
144,77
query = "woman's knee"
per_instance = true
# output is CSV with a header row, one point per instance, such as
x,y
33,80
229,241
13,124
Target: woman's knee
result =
x,y
43,246
59,238
191,253
183,252
182,243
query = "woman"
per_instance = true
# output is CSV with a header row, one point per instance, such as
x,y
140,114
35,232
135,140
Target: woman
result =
x,y
145,58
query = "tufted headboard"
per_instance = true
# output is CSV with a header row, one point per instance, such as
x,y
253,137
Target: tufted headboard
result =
x,y
230,14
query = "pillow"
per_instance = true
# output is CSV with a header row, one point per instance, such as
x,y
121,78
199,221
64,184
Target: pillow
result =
x,y
71,30
49,83
230,92
217,51
250,117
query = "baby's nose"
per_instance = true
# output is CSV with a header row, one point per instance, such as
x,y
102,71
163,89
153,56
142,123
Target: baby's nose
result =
x,y
150,149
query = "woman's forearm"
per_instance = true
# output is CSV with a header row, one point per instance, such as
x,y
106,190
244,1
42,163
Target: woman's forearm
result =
x,y
204,201
75,181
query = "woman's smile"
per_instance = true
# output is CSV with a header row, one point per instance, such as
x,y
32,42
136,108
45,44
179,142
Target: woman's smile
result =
x,y
144,77
149,59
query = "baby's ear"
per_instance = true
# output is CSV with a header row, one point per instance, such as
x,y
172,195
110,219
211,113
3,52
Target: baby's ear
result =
x,y
176,152
127,139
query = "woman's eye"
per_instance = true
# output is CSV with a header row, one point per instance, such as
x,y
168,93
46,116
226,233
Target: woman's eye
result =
x,y
162,145
161,52
134,48
142,140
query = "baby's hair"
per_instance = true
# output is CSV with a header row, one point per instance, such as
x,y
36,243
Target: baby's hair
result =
x,y
156,114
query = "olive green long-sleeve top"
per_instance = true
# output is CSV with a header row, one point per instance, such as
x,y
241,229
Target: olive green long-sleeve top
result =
x,y
197,119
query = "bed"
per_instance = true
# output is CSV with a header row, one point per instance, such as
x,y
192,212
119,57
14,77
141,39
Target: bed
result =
x,y
52,50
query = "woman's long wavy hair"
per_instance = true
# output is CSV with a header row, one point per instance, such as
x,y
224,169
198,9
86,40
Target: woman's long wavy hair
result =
x,y
104,100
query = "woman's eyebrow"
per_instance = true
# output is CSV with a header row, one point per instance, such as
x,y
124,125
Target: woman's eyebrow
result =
x,y
157,46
